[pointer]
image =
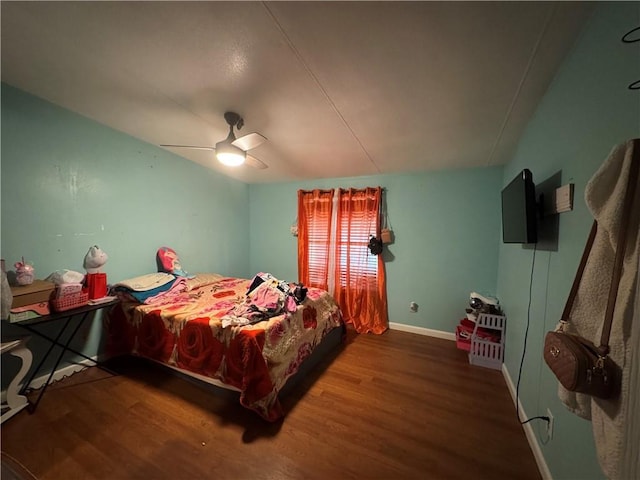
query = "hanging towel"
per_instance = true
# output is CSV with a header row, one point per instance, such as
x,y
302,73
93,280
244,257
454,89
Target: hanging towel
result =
x,y
604,195
631,460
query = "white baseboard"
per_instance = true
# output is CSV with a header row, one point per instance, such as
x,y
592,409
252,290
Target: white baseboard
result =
x,y
422,331
528,429
58,375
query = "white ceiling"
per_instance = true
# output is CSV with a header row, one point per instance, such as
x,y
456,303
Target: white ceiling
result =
x,y
339,88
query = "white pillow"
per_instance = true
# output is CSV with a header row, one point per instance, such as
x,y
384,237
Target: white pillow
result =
x,y
202,279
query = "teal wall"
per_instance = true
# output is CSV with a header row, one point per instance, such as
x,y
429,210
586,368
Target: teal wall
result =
x,y
586,111
69,183
446,226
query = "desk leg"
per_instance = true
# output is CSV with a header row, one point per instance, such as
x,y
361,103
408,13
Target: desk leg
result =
x,y
46,355
55,342
15,401
33,407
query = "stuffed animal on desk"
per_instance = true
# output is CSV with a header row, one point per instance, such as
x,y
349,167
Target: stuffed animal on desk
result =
x,y
96,281
24,273
95,259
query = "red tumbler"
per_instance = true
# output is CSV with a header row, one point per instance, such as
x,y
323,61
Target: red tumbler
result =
x,y
96,285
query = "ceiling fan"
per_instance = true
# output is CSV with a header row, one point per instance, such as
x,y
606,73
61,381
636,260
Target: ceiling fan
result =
x,y
232,151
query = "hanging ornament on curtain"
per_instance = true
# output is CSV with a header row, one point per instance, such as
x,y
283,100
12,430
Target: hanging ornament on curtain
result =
x,y
386,233
294,228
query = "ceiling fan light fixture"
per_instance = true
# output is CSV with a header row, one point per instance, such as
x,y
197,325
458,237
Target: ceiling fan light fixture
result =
x,y
232,151
230,155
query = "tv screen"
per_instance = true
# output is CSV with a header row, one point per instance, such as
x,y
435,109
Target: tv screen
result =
x,y
519,222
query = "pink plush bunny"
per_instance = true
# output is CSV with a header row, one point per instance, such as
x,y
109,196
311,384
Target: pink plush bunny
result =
x,y
24,273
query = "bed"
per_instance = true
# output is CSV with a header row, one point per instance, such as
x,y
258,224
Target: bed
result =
x,y
192,327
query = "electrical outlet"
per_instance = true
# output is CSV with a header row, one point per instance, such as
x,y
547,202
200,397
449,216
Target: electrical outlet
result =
x,y
550,424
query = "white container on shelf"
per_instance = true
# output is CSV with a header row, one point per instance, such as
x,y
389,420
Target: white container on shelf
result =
x,y
485,352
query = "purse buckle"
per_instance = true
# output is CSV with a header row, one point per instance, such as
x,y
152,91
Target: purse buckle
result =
x,y
598,369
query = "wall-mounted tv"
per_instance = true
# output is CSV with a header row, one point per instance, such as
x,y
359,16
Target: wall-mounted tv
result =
x,y
519,210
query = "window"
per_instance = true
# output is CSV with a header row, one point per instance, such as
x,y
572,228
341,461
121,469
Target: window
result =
x,y
334,229
353,253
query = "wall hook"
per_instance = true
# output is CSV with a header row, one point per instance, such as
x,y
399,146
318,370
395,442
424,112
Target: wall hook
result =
x,y
626,38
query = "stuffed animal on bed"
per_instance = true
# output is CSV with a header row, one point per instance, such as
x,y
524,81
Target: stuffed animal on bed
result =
x,y
168,262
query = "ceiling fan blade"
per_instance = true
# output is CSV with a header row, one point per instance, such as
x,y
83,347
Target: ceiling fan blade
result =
x,y
255,163
189,146
249,141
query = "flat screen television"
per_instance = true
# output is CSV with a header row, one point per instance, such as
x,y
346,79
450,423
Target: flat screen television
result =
x,y
519,210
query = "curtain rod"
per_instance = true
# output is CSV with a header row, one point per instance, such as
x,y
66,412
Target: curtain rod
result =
x,y
323,190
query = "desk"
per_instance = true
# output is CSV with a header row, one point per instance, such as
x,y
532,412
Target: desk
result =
x,y
67,316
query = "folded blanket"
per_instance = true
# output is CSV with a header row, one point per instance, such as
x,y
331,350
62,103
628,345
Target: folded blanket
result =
x,y
147,282
168,295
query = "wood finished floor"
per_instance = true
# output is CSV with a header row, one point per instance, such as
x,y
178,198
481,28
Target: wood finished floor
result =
x,y
394,406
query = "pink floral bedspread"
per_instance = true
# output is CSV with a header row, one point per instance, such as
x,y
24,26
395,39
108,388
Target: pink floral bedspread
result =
x,y
186,332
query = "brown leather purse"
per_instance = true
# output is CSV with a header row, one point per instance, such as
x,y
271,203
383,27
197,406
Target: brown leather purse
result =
x,y
577,363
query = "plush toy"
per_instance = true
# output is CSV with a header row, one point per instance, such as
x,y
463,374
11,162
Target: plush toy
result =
x,y
24,273
168,262
95,259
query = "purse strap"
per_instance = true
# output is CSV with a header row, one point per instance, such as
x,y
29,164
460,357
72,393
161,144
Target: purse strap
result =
x,y
603,349
578,277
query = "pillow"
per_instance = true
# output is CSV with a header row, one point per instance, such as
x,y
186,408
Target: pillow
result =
x,y
202,279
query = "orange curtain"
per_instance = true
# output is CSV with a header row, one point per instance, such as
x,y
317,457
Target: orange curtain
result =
x,y
360,284
314,232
